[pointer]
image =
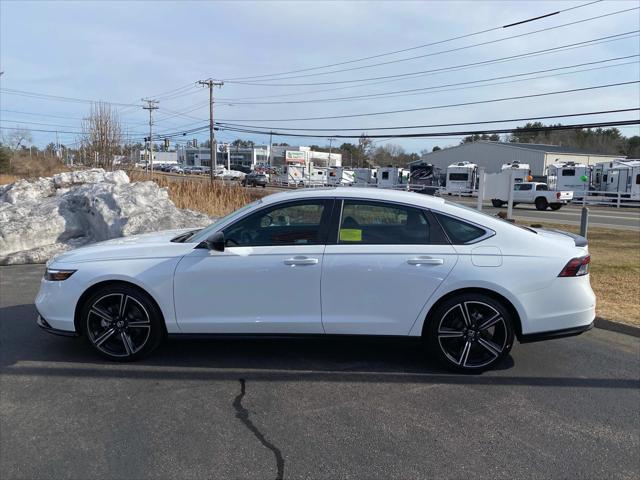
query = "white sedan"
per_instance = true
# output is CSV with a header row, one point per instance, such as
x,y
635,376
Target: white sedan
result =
x,y
342,261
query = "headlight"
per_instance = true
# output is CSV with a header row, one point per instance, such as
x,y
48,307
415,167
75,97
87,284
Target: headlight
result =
x,y
55,275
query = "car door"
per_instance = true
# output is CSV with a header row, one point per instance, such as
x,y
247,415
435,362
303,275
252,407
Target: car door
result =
x,y
267,280
382,263
522,192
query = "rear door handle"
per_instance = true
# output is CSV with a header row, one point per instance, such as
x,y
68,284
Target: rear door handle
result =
x,y
425,261
301,261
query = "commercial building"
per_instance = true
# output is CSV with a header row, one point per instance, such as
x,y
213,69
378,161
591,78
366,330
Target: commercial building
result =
x,y
243,158
492,155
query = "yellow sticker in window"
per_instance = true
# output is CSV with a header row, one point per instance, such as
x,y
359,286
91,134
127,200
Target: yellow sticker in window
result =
x,y
350,235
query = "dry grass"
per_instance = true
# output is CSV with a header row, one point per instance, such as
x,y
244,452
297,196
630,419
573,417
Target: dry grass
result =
x,y
615,272
5,178
25,166
215,199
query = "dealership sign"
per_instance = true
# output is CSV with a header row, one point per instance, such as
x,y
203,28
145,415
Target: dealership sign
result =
x,y
294,156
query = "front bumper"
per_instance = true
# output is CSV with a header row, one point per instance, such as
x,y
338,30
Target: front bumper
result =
x,y
42,323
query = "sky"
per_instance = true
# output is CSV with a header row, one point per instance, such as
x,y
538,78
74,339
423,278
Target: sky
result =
x,y
122,51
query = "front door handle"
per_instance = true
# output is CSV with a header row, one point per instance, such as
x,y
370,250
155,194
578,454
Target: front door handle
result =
x,y
301,261
425,261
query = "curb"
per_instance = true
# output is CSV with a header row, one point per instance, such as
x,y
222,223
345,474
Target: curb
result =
x,y
617,327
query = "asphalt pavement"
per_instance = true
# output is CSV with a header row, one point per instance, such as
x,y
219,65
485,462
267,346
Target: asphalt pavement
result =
x,y
322,409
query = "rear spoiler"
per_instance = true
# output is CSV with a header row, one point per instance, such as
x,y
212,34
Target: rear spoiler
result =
x,y
579,240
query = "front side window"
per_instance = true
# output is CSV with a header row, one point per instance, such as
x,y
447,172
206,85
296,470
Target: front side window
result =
x,y
374,223
459,231
296,223
522,187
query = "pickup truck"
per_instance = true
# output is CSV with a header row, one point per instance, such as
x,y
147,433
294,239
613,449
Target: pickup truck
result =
x,y
538,194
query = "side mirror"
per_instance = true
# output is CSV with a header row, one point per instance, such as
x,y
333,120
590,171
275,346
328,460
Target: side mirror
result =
x,y
216,242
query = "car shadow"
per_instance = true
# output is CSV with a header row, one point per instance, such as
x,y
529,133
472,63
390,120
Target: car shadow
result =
x,y
26,350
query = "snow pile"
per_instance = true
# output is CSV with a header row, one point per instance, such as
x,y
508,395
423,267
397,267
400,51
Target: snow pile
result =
x,y
43,217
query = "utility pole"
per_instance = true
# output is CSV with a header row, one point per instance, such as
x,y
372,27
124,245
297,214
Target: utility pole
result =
x,y
330,144
214,157
151,106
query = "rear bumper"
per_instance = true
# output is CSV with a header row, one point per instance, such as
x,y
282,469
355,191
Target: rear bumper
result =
x,y
42,323
565,332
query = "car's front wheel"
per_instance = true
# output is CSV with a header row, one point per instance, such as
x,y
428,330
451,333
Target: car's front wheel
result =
x,y
122,323
470,332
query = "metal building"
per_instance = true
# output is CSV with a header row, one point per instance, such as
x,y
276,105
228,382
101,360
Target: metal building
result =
x,y
492,155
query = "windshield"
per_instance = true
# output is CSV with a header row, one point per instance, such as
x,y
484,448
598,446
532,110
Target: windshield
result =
x,y
203,234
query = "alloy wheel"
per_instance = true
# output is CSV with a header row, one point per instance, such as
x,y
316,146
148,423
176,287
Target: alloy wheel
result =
x,y
118,325
472,334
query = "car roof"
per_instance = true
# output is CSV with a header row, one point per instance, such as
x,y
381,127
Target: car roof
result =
x,y
365,193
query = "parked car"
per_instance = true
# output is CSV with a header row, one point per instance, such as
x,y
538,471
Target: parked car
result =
x,y
176,169
195,170
536,193
255,179
345,261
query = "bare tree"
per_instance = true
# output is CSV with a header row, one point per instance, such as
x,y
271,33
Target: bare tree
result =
x,y
101,135
18,137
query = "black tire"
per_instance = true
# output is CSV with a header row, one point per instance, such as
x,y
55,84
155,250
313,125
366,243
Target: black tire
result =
x,y
541,204
555,206
497,203
120,331
470,333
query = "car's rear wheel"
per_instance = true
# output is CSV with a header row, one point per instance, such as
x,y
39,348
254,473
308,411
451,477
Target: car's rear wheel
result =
x,y
470,333
497,203
555,206
122,323
541,203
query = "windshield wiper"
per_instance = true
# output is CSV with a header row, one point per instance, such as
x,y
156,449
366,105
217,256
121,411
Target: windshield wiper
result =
x,y
183,237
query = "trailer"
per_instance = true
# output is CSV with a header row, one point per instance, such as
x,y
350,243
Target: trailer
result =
x,y
424,178
340,176
461,179
392,177
569,176
624,178
365,177
522,171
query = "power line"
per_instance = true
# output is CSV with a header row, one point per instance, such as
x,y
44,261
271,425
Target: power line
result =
x,y
413,91
23,93
436,107
459,37
504,120
462,133
419,73
457,49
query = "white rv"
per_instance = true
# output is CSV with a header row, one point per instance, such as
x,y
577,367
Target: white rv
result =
x,y
569,176
461,178
522,171
624,177
340,176
365,177
392,177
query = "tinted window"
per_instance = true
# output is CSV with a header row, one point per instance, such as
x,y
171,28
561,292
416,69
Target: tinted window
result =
x,y
289,224
542,188
638,179
459,176
568,173
460,232
521,187
373,223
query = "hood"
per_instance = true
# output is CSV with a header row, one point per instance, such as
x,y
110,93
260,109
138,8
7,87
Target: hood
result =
x,y
147,245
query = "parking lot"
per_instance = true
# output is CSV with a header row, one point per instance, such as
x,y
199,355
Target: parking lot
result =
x,y
254,408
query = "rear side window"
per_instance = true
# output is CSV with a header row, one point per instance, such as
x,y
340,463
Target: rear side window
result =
x,y
459,231
374,223
542,188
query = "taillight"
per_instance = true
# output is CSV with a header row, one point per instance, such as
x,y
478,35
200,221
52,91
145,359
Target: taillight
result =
x,y
576,267
557,194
